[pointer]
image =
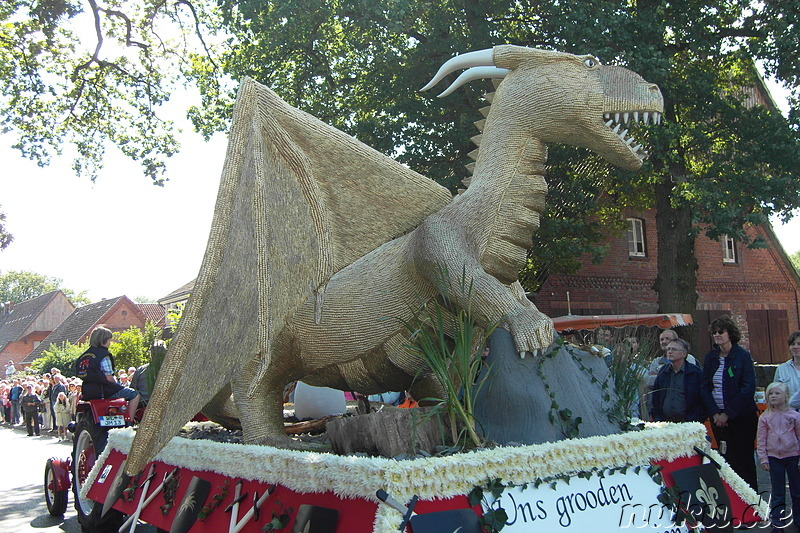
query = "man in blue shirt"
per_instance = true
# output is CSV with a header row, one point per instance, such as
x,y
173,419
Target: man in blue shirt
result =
x,y
14,396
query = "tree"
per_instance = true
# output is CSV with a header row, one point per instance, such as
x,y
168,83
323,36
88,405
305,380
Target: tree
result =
x,y
132,346
5,236
717,165
795,258
61,356
21,285
92,74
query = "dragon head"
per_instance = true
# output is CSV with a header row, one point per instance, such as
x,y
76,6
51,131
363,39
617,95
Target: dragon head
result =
x,y
563,98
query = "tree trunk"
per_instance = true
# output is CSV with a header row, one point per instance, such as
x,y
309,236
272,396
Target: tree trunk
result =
x,y
676,280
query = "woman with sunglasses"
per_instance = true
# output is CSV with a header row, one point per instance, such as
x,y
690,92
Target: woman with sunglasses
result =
x,y
729,386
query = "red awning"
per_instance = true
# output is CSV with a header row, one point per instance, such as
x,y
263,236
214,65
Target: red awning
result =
x,y
663,321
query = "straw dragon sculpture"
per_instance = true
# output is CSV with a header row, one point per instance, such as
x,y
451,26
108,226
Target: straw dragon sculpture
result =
x,y
320,243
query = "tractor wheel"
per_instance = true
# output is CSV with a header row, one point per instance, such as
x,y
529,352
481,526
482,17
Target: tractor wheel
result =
x,y
90,440
56,499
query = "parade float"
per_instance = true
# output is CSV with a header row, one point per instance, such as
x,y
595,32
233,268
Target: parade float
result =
x,y
322,255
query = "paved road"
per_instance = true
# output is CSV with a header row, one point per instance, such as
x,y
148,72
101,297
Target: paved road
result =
x,y
22,505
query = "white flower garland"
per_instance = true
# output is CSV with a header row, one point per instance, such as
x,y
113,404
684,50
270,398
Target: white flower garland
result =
x,y
434,477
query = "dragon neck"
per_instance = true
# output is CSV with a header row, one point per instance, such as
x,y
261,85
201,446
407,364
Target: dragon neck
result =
x,y
507,195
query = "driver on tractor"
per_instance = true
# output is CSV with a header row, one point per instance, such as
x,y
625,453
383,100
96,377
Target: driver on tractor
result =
x,y
96,368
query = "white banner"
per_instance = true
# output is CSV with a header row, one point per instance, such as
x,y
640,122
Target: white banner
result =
x,y
610,503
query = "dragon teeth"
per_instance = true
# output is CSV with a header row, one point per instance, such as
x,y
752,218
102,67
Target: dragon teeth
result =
x,y
609,123
624,117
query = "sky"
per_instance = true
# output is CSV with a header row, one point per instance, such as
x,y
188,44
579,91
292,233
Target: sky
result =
x,y
122,235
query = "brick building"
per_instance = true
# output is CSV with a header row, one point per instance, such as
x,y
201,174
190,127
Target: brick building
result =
x,y
117,314
758,287
25,324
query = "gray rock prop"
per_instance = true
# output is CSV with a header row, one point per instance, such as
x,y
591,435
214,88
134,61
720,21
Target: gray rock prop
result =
x,y
514,405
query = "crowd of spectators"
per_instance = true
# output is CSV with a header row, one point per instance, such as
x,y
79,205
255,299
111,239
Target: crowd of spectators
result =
x,y
33,400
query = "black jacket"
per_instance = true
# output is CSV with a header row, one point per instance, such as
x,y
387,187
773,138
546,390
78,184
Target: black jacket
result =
x,y
692,382
738,382
95,384
30,403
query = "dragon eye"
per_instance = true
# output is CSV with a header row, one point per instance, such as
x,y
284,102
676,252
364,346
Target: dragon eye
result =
x,y
591,62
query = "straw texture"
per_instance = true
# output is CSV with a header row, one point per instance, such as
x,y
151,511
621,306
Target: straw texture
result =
x,y
320,244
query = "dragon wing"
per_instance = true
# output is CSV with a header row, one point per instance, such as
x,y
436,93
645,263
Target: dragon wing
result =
x,y
298,201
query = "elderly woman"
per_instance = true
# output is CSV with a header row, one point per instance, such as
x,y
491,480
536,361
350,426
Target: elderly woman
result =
x,y
789,372
728,389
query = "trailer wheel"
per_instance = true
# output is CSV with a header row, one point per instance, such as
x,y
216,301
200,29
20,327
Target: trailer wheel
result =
x,y
90,440
56,499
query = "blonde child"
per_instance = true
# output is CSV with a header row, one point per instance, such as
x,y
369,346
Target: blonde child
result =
x,y
779,451
63,415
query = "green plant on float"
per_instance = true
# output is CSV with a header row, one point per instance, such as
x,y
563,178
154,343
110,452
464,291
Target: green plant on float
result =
x,y
455,358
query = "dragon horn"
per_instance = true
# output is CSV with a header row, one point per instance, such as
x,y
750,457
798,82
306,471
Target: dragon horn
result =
x,y
473,74
479,58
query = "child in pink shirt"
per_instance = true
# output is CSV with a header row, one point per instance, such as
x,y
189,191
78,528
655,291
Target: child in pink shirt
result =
x,y
779,451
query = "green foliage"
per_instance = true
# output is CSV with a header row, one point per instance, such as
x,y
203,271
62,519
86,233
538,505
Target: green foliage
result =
x,y
795,259
357,64
157,352
493,519
5,236
65,84
174,315
132,346
628,371
447,337
60,356
20,285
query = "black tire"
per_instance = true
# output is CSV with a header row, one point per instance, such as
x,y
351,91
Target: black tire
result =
x,y
90,441
56,499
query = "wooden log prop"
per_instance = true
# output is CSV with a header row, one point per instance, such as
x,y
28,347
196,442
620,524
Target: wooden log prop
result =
x,y
389,432
307,426
539,399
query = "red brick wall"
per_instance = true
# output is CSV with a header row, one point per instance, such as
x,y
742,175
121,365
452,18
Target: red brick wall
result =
x,y
19,350
760,280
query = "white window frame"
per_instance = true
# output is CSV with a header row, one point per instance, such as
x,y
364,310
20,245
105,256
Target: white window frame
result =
x,y
728,250
635,236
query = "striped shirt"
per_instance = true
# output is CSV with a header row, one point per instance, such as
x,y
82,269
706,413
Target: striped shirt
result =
x,y
717,391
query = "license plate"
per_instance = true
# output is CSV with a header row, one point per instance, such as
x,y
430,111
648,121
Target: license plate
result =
x,y
112,421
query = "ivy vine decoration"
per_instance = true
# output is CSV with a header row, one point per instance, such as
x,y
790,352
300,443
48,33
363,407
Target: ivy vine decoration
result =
x,y
570,427
280,518
130,490
670,498
493,520
215,501
170,489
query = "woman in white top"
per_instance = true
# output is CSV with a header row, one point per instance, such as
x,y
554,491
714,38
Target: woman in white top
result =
x,y
789,372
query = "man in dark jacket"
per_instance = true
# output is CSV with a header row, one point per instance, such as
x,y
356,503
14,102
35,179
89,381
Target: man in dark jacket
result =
x,y
30,407
677,390
96,370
